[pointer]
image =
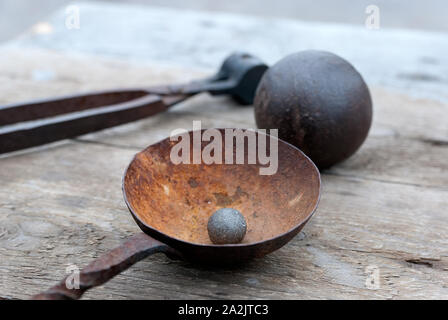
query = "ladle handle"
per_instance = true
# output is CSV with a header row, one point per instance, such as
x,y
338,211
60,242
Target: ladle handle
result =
x,y
106,267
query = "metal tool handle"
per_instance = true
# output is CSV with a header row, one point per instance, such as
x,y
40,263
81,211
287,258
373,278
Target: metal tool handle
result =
x,y
44,108
26,135
108,266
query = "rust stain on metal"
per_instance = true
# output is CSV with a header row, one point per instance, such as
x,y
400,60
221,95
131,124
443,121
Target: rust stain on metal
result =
x,y
192,182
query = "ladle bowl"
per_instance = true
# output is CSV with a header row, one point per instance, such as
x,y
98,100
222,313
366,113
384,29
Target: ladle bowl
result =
x,y
173,203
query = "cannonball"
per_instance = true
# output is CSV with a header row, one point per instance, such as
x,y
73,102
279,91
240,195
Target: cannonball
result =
x,y
226,226
318,102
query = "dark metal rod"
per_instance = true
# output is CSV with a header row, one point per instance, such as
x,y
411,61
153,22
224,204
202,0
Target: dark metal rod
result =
x,y
44,108
26,135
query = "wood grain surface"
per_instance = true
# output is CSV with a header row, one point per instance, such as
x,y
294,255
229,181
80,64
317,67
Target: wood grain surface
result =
x,y
383,209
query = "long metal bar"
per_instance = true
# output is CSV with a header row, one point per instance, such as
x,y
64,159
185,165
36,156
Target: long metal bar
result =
x,y
15,113
31,134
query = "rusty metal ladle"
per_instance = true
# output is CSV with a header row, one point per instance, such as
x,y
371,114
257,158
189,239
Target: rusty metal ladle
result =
x,y
172,203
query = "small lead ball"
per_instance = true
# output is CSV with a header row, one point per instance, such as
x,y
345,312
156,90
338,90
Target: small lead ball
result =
x,y
226,226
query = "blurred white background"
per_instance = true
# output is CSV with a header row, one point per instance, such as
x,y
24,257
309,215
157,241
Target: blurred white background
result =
x,y
18,15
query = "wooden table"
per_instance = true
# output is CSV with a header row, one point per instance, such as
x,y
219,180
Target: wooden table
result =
x,y
382,212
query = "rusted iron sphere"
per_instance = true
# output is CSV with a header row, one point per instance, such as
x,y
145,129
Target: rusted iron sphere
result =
x,y
318,102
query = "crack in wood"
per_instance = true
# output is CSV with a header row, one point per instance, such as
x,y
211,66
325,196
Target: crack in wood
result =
x,y
436,263
435,142
337,174
108,144
419,261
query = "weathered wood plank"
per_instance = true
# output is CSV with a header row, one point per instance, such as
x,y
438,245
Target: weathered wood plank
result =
x,y
62,204
58,213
